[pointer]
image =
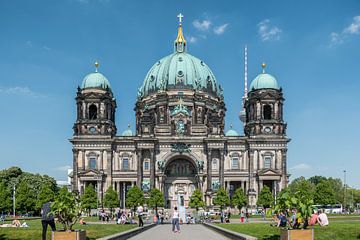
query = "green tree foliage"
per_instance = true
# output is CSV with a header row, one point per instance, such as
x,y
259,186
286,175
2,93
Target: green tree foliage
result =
x,y
67,208
134,197
111,199
265,198
317,179
222,198
45,195
324,193
196,200
5,198
89,199
25,198
239,199
303,187
156,199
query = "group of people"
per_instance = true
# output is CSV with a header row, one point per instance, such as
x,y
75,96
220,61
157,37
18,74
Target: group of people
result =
x,y
295,221
15,223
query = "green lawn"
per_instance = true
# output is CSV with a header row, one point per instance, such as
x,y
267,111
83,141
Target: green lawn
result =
x,y
335,231
34,231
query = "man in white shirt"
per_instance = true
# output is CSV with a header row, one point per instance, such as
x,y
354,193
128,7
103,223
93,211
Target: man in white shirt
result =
x,y
323,219
139,212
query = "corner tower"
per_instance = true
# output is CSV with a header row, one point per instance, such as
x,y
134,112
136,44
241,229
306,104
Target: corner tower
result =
x,y
264,107
95,106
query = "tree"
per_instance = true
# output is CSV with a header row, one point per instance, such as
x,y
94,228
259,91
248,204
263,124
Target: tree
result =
x,y
25,198
265,198
89,199
324,193
303,187
45,195
239,199
66,208
111,199
135,196
222,198
5,198
156,199
196,200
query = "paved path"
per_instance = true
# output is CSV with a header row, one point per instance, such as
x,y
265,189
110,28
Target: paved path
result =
x,y
194,231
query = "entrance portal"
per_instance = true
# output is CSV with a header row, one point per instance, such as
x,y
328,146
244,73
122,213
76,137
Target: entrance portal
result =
x,y
180,182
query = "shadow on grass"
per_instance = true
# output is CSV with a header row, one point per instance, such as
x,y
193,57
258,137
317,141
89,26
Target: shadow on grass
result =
x,y
357,237
2,237
271,237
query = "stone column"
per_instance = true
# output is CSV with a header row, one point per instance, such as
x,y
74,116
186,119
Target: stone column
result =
x,y
152,168
109,167
261,185
209,171
221,168
243,186
75,171
284,177
102,159
124,195
139,168
83,160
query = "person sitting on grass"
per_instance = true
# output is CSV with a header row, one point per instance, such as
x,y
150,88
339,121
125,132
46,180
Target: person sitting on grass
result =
x,y
323,219
282,220
313,219
82,221
16,223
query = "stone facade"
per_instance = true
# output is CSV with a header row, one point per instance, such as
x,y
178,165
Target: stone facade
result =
x,y
179,144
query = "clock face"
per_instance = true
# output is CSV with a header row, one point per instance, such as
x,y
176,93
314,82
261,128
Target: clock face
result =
x,y
92,130
267,130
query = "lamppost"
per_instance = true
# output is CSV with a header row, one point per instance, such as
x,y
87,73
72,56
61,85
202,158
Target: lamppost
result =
x,y
14,200
344,189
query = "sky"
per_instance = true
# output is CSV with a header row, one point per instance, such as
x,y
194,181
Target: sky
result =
x,y
311,47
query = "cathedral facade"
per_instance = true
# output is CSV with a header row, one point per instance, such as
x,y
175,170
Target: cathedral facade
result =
x,y
180,144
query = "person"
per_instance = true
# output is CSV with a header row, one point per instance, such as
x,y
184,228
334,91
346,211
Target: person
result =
x,y
118,217
247,215
47,219
162,218
222,216
294,221
82,221
139,213
242,216
313,219
282,220
323,219
175,221
263,214
16,223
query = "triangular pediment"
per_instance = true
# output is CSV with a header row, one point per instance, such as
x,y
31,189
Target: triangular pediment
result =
x,y
268,172
90,172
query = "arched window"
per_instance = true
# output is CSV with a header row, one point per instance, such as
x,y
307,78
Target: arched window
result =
x,y
125,164
267,161
92,112
267,112
92,162
214,163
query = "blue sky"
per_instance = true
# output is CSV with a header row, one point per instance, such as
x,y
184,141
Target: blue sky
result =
x,y
312,48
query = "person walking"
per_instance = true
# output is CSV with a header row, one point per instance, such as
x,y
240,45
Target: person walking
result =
x,y
47,219
139,212
175,221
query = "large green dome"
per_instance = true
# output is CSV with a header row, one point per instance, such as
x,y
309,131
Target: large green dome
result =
x,y
95,80
180,70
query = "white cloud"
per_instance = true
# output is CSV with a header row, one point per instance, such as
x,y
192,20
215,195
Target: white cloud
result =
x,y
220,29
268,32
192,39
353,28
202,26
29,43
24,91
63,168
301,167
46,48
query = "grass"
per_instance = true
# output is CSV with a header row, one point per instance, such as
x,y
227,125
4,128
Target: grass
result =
x,y
34,231
335,231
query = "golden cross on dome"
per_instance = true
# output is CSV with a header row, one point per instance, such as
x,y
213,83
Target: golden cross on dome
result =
x,y
180,16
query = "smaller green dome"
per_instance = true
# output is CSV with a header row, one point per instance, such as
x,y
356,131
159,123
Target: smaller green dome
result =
x,y
128,132
264,80
95,80
231,132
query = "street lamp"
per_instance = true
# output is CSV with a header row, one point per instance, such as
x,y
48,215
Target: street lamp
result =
x,y
344,189
14,200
